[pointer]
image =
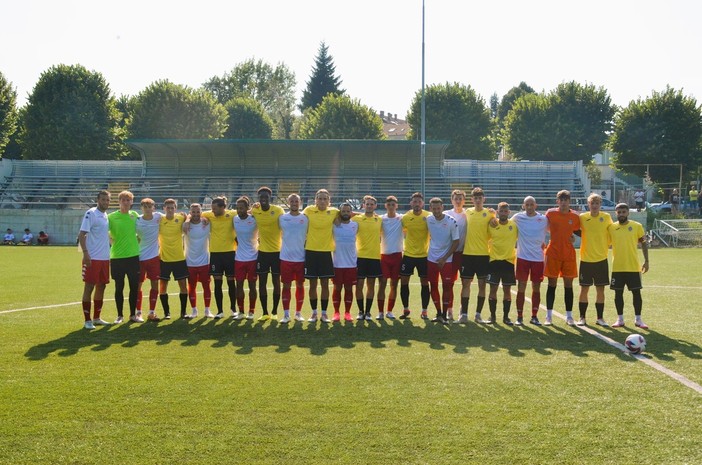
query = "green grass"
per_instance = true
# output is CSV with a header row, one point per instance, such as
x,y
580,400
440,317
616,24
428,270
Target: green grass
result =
x,y
212,392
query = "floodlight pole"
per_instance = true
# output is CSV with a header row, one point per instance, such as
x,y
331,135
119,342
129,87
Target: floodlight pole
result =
x,y
423,141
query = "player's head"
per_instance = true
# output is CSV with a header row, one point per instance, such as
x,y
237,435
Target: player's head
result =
x,y
478,196
529,205
169,206
195,212
622,210
391,204
370,203
294,202
242,206
563,199
126,200
417,202
436,206
219,204
458,198
322,199
345,210
147,205
103,200
503,211
264,196
26,230
594,202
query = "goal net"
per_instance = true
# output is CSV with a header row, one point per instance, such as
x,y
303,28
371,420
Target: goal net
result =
x,y
678,233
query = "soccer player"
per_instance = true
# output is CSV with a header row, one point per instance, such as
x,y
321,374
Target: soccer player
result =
x,y
94,240
414,224
124,255
293,226
222,251
267,219
594,248
444,238
503,237
246,256
368,245
391,245
197,257
531,241
563,223
625,235
319,265
170,238
458,200
476,253
345,258
147,227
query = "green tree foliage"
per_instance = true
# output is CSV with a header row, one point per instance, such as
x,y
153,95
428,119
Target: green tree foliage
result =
x,y
273,88
509,98
494,105
340,117
663,128
456,113
247,120
8,112
322,81
171,111
570,123
71,115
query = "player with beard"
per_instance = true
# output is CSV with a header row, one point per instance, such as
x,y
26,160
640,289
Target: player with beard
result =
x,y
345,258
444,238
197,257
268,260
368,245
503,237
414,223
391,246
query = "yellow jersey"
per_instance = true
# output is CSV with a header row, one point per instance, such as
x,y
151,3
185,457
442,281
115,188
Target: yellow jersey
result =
x,y
477,224
625,239
594,246
268,228
368,236
170,238
320,235
502,242
416,234
222,232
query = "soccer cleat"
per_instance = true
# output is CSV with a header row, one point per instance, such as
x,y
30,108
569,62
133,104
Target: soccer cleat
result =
x,y
548,322
250,316
274,317
618,324
313,318
347,316
449,315
601,322
136,319
194,313
438,319
167,316
89,325
581,322
405,314
640,324
209,314
462,319
424,315
519,322
361,316
369,317
570,321
492,320
219,316
100,322
336,317
119,320
138,313
299,317
389,316
285,320
380,316
479,319
152,317
325,319
239,316
263,317
535,321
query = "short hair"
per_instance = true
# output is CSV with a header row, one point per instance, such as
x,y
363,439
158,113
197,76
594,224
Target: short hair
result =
x,y
502,204
477,192
458,192
391,198
623,205
170,202
147,202
26,229
594,196
125,195
345,204
435,200
244,199
220,201
103,193
294,195
369,197
195,205
322,191
417,195
563,195
264,189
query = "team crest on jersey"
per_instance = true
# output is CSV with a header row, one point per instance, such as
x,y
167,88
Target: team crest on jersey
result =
x,y
272,213
510,228
484,214
630,228
601,219
226,215
176,220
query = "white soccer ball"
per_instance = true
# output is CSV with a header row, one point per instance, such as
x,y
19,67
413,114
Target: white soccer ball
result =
x,y
635,343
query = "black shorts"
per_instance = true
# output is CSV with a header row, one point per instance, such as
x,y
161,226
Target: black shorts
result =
x,y
475,265
594,273
631,279
222,263
501,270
368,268
121,267
318,264
268,262
179,270
410,263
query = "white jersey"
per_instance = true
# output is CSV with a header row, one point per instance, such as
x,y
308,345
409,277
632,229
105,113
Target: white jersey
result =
x,y
247,238
345,254
98,239
147,232
28,237
392,238
442,233
462,222
294,229
531,237
197,245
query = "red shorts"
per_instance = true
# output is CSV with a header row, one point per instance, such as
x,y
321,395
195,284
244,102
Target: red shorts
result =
x,y
199,274
557,268
245,271
292,271
344,276
150,268
390,265
525,268
446,273
97,273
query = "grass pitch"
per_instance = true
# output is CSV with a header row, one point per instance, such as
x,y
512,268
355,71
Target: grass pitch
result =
x,y
213,392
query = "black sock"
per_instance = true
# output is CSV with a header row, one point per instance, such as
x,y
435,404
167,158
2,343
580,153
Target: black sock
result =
x,y
638,301
218,294
183,302
568,298
325,304
492,305
276,301
426,296
481,303
600,310
164,303
464,305
232,294
506,305
313,303
369,304
359,302
550,297
582,306
619,301
404,295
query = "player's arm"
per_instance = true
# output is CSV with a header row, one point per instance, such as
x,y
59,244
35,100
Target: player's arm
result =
x,y
454,246
84,247
644,249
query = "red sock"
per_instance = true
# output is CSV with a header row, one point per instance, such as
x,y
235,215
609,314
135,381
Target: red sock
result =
x,y
535,302
336,299
153,298
86,310
97,304
391,305
240,303
285,297
348,300
520,301
252,303
140,295
299,296
207,294
381,305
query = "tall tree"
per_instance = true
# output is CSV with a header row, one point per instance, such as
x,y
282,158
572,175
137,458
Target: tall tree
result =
x,y
171,111
323,80
456,113
494,105
509,98
663,128
247,120
8,112
273,88
71,115
340,117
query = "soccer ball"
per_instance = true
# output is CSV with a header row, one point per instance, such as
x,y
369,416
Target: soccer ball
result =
x,y
635,343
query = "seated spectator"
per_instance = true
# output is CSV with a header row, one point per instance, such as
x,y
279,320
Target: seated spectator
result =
x,y
43,238
9,238
27,238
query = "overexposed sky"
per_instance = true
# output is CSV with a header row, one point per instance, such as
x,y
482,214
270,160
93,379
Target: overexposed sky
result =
x,y
629,47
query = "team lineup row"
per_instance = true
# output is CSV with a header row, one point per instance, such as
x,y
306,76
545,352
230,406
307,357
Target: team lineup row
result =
x,y
323,243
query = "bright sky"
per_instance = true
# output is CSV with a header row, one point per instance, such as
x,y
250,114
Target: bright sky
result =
x,y
629,47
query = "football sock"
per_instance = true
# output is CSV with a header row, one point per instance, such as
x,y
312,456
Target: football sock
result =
x,y
325,305
183,302
232,293
600,310
492,305
506,305
535,302
464,305
286,294
520,301
369,304
481,302
568,298
404,295
97,305
582,306
619,301
140,296
638,303
218,294
86,310
550,297
425,297
263,292
164,303
153,298
276,302
299,296
313,304
359,303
